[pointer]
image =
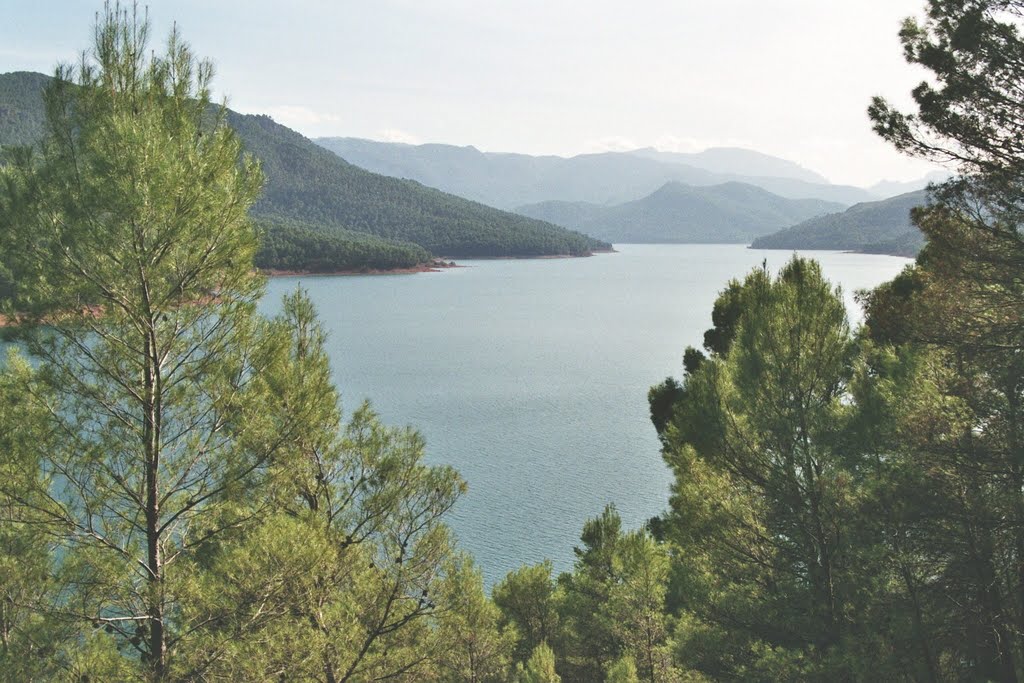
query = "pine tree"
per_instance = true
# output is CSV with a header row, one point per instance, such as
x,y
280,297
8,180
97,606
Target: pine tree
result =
x,y
132,250
526,598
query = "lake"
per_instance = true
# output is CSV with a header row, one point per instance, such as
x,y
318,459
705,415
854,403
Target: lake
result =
x,y
531,376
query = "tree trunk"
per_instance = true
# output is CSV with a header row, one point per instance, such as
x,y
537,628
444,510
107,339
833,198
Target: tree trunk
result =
x,y
154,561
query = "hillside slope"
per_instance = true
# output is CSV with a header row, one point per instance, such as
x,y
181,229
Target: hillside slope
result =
x,y
306,182
311,189
676,213
877,227
21,107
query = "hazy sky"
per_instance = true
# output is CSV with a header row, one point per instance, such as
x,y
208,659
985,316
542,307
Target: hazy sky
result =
x,y
787,77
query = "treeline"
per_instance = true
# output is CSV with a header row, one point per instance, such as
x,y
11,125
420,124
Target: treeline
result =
x,y
882,227
847,504
308,183
294,246
311,189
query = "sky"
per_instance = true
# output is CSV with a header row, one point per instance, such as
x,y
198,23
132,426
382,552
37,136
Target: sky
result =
x,y
792,78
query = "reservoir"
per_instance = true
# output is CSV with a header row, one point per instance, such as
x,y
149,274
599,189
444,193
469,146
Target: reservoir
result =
x,y
530,377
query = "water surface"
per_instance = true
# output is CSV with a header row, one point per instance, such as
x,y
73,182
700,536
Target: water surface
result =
x,y
531,377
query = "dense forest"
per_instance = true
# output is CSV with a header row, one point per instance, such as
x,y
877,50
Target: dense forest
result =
x,y
883,227
326,201
182,499
295,246
21,106
306,182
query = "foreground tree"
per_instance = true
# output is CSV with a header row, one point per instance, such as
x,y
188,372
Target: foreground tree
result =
x,y
539,668
956,323
611,607
180,500
473,646
133,250
526,598
771,559
344,578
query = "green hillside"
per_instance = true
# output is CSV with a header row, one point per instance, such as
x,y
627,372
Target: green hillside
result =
x,y
309,183
677,213
320,213
297,246
21,107
874,227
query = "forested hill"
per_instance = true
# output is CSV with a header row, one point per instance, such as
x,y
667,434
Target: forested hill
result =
x,y
511,180
321,203
21,107
306,182
874,227
677,213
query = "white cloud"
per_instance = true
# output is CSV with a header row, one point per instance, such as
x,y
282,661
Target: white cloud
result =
x,y
676,143
396,135
610,143
664,143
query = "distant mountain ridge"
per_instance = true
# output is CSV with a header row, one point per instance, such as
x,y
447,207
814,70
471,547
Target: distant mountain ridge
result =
x,y
510,180
736,160
678,213
894,188
873,227
311,189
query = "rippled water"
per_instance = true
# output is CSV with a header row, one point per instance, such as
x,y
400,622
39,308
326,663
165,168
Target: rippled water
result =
x,y
531,377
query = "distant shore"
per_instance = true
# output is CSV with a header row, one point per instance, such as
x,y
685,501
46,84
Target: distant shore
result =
x,y
610,250
435,266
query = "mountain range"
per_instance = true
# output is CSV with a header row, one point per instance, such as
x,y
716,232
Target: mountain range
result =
x,y
512,180
893,188
312,192
351,204
882,227
678,213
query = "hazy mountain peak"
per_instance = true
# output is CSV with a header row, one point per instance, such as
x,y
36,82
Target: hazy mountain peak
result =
x,y
736,161
508,180
893,188
676,212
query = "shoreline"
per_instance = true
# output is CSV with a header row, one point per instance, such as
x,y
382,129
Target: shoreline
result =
x,y
433,267
540,257
436,266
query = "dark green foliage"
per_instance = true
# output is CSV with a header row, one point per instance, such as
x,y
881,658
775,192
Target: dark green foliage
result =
x,y
725,315
295,246
731,212
969,112
907,245
662,399
881,227
526,599
308,183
